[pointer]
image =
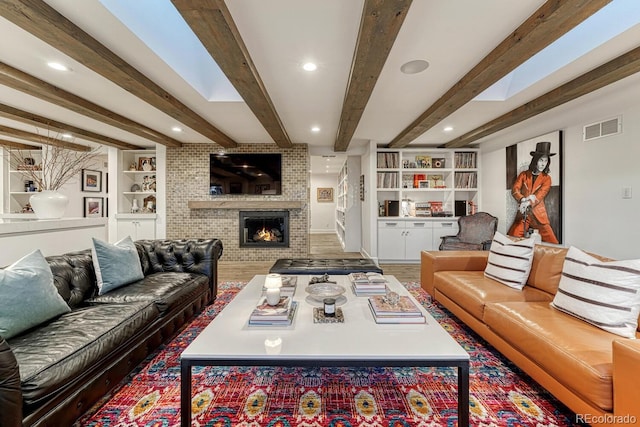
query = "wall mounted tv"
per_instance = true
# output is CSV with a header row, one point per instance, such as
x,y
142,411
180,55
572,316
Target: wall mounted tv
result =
x,y
242,173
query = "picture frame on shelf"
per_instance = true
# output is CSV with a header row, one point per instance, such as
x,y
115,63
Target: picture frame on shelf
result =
x,y
93,207
91,180
424,184
325,194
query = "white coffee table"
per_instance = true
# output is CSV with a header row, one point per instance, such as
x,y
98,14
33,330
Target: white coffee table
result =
x,y
229,341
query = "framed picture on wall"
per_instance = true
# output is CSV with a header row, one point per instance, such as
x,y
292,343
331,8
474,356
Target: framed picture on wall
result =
x,y
91,180
534,187
325,194
93,206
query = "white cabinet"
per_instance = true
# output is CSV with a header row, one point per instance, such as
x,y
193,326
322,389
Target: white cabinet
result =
x,y
139,226
348,205
404,239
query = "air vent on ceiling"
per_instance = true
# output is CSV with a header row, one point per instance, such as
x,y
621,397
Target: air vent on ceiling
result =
x,y
602,129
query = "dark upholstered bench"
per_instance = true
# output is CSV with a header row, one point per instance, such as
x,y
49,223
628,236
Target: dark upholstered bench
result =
x,y
339,266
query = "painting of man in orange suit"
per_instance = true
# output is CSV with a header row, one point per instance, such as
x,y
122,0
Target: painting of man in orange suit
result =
x,y
533,190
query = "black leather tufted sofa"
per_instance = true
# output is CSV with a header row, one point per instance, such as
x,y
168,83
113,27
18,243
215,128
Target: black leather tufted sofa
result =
x,y
51,374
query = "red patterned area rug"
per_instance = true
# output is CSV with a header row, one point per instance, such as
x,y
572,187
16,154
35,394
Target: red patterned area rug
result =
x,y
501,395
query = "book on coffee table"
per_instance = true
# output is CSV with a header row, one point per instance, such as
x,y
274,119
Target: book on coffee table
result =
x,y
265,312
404,311
367,278
287,321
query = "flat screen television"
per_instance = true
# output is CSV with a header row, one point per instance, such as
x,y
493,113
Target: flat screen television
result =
x,y
242,173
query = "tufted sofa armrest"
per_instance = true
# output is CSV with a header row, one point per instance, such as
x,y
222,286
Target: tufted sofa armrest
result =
x,y
198,256
433,261
10,390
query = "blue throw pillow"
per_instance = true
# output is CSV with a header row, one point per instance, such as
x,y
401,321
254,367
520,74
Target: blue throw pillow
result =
x,y
28,296
116,264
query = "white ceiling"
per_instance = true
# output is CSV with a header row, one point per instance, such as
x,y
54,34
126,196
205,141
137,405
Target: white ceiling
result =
x,y
452,35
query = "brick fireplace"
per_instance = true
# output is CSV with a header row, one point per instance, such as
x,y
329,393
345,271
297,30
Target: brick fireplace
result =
x,y
188,180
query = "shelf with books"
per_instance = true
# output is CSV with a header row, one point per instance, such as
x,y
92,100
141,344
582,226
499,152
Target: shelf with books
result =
x,y
348,205
419,175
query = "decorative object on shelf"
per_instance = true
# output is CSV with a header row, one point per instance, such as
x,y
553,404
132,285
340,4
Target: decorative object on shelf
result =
x,y
49,204
146,163
135,188
149,204
93,206
135,208
325,194
423,184
27,208
438,163
424,162
133,167
91,180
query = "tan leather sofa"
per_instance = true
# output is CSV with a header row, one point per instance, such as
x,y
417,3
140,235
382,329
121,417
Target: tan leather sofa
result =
x,y
594,373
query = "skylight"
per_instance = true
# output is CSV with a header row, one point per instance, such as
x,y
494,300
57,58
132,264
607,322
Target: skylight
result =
x,y
159,25
611,21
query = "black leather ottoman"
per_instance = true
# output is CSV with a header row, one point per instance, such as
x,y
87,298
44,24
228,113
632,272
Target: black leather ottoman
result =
x,y
322,266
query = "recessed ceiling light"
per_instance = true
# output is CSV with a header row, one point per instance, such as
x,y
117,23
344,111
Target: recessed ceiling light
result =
x,y
315,129
448,129
176,129
66,136
309,66
414,67
58,66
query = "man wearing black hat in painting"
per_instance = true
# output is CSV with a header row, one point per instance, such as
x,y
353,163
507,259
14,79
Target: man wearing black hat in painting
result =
x,y
529,189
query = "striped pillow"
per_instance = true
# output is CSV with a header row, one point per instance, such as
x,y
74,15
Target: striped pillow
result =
x,y
510,260
605,294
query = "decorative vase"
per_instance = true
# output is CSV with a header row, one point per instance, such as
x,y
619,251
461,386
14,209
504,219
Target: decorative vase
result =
x,y
49,204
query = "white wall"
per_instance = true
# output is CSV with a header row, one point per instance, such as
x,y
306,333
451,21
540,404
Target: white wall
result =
x,y
323,215
73,188
596,218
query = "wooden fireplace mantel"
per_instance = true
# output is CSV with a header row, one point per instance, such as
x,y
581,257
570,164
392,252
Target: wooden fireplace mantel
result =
x,y
246,204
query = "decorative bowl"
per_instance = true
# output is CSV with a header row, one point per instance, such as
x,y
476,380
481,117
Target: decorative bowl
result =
x,y
320,291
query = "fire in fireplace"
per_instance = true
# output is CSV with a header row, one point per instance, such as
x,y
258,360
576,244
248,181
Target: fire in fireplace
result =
x,y
264,229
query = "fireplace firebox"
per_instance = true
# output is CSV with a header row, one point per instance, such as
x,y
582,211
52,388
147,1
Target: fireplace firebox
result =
x,y
264,229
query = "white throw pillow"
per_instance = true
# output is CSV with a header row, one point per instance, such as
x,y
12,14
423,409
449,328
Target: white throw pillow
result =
x,y
116,265
510,261
605,294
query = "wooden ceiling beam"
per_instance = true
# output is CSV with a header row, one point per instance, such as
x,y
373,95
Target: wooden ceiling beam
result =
x,y
381,21
45,23
41,139
212,23
12,113
33,86
18,145
552,20
606,74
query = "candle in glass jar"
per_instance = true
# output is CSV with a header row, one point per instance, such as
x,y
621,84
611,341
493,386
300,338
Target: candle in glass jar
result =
x,y
329,307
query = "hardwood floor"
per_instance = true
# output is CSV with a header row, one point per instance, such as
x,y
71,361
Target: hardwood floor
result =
x,y
321,246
